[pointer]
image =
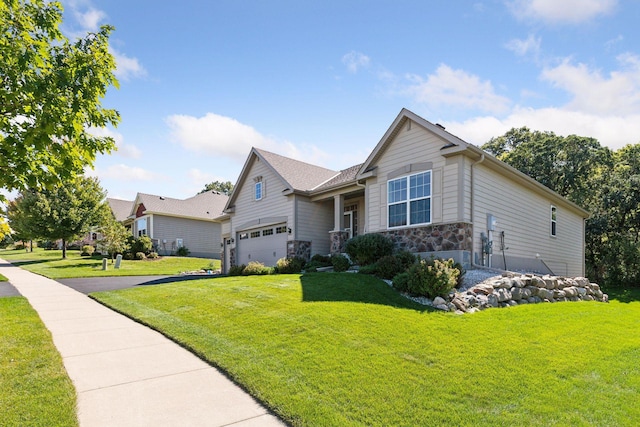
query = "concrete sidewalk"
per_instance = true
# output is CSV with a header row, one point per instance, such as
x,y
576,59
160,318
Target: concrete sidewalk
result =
x,y
126,374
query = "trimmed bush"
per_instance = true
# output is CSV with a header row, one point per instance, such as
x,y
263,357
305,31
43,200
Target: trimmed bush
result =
x,y
368,269
401,282
255,268
388,266
87,250
127,255
289,265
140,256
366,249
340,262
236,270
141,244
183,251
432,278
153,255
321,259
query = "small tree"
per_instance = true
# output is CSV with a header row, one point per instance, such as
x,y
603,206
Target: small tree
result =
x,y
114,236
64,212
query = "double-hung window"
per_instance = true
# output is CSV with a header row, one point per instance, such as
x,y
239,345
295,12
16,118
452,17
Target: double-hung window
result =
x,y
409,200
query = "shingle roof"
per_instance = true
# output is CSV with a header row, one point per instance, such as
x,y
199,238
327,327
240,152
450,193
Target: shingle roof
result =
x,y
121,208
300,175
207,205
345,176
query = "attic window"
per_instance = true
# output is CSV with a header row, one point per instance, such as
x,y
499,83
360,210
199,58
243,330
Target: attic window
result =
x,y
258,190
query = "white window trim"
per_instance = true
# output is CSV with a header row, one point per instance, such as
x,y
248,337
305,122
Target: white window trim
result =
x,y
255,191
408,200
553,225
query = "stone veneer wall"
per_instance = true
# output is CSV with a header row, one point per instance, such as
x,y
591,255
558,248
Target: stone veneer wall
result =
x,y
299,248
338,240
433,238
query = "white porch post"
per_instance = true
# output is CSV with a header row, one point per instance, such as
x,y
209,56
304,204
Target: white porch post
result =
x,y
338,212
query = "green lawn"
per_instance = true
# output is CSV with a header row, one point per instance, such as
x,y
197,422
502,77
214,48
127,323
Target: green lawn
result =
x,y
50,264
34,387
3,279
332,349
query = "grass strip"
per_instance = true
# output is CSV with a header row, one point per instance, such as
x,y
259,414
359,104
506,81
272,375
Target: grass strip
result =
x,y
34,387
49,263
333,349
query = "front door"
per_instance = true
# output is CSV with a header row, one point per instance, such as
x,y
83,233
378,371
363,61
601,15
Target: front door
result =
x,y
350,220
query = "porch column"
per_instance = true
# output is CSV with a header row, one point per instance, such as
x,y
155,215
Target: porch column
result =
x,y
338,212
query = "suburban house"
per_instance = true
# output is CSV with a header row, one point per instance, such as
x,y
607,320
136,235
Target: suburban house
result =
x,y
428,190
121,210
174,223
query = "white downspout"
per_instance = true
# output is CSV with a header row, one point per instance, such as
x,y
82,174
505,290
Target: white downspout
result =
x,y
471,208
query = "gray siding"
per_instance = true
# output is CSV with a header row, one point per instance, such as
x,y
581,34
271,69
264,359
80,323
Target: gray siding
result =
x,y
314,221
524,216
202,238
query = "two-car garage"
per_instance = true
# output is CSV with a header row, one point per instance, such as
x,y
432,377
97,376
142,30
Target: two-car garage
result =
x,y
265,244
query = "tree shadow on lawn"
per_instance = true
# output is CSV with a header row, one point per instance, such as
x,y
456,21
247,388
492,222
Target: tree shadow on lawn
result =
x,y
18,263
624,295
351,287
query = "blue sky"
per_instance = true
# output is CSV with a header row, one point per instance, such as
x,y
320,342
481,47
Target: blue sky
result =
x,y
201,82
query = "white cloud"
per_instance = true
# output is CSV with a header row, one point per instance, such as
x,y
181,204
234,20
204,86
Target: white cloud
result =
x,y
355,61
123,172
222,136
127,67
124,150
561,11
611,131
524,47
449,87
90,20
617,93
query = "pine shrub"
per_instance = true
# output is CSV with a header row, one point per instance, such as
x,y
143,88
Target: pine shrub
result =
x,y
366,249
432,278
340,262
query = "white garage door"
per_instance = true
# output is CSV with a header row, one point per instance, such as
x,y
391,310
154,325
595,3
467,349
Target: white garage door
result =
x,y
266,245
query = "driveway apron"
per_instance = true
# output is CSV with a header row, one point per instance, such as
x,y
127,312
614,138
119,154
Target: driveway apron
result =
x,y
126,374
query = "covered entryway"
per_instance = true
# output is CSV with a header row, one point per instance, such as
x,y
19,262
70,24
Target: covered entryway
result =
x,y
266,245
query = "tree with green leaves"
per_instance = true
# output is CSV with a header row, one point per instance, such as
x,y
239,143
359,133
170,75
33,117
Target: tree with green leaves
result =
x,y
223,187
20,218
603,182
5,230
50,96
65,212
114,236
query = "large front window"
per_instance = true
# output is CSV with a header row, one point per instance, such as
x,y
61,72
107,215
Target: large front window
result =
x,y
409,200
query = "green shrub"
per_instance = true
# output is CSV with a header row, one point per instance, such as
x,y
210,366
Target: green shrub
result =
x,y
406,258
87,250
255,268
432,278
401,282
367,269
340,262
153,255
236,270
140,256
183,251
461,274
388,266
127,255
141,244
321,259
289,265
366,249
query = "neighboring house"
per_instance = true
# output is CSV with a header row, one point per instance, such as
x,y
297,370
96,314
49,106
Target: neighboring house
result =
x,y
429,191
122,211
174,223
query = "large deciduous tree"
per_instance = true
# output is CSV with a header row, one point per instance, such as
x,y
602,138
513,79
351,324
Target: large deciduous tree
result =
x,y
65,212
603,182
50,96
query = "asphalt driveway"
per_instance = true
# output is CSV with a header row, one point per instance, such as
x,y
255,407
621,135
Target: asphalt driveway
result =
x,y
87,285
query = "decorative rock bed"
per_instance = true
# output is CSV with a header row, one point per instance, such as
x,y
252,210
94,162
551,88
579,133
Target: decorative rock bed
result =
x,y
512,289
